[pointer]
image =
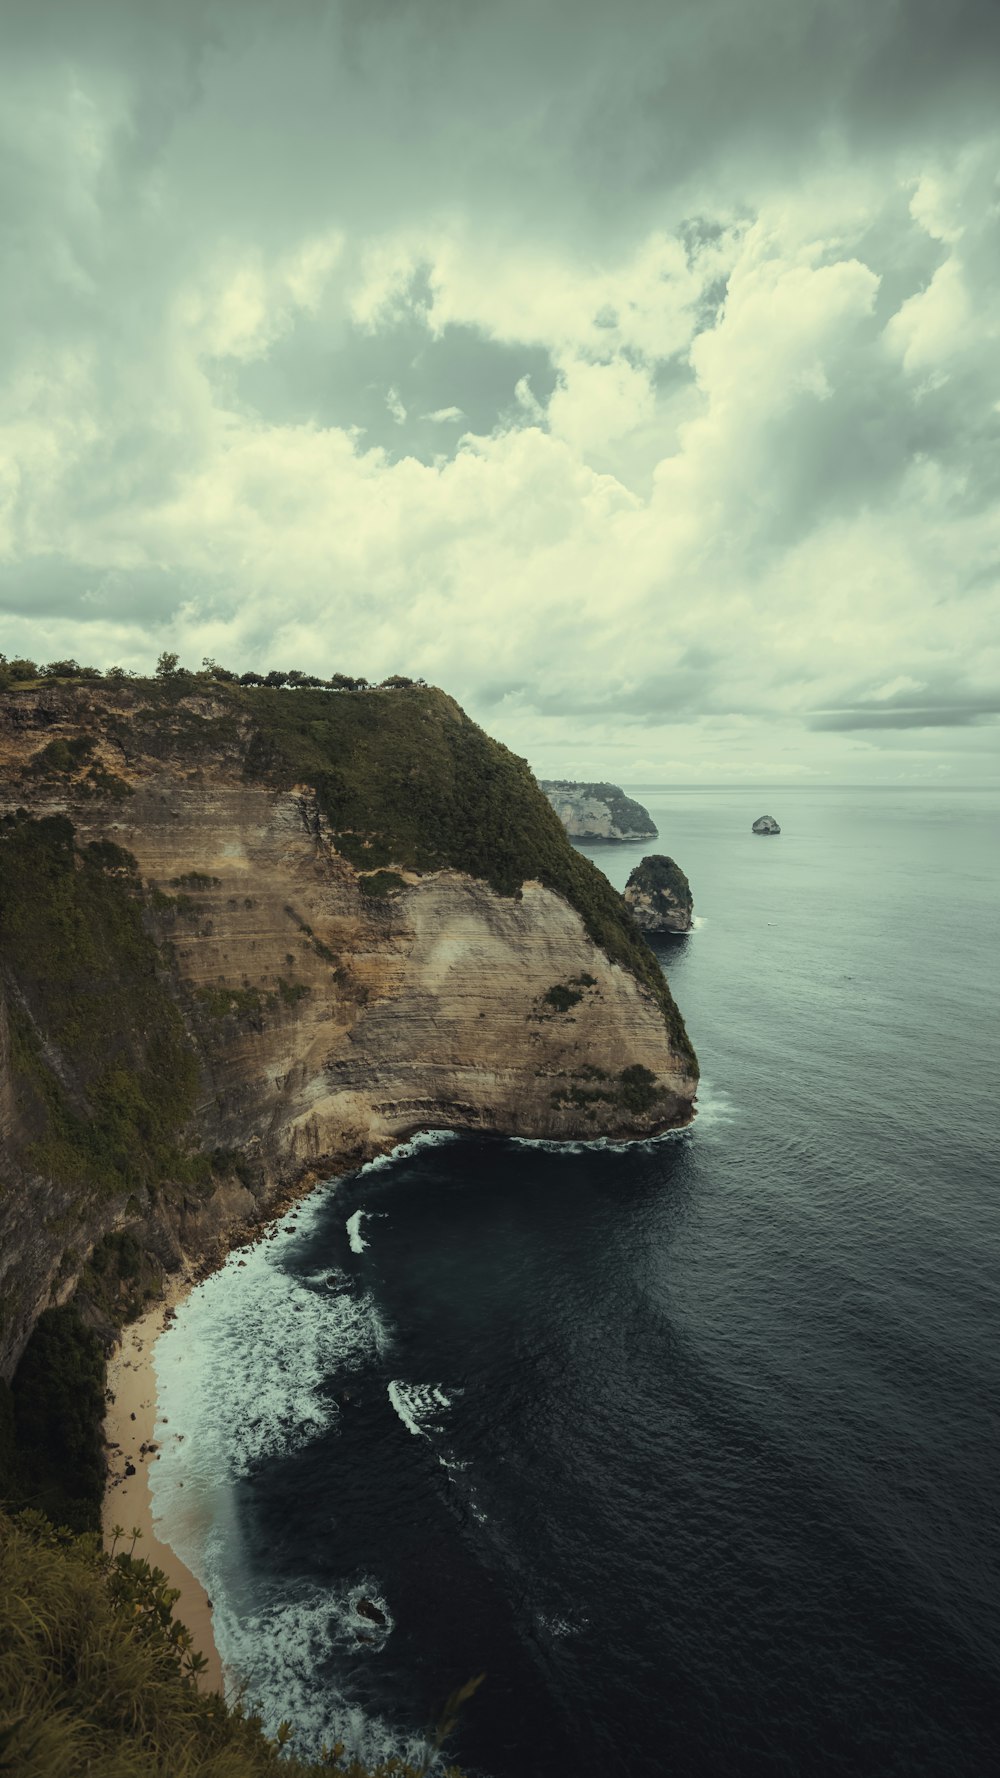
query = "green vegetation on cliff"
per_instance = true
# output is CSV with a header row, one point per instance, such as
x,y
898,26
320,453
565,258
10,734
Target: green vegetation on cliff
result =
x,y
97,1677
88,1005
51,1441
657,874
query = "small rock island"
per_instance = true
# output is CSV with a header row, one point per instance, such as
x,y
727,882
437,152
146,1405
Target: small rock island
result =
x,y
659,895
766,824
598,811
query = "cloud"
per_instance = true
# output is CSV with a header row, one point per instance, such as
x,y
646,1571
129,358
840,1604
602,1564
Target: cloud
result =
x,y
632,375
395,406
909,703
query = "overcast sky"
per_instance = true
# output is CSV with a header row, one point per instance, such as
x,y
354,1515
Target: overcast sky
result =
x,y
632,370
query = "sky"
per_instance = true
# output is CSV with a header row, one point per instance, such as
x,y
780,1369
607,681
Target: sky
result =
x,y
632,371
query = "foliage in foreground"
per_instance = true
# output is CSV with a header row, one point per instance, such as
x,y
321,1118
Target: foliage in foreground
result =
x,y
97,1677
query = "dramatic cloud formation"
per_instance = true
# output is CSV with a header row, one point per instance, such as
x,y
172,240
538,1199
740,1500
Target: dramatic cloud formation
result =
x,y
632,372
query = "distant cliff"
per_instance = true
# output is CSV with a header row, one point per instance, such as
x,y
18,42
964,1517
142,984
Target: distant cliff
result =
x,y
249,934
598,811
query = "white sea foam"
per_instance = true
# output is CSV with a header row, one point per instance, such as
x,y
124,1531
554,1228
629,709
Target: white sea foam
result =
x,y
277,1648
354,1232
600,1144
698,922
240,1376
419,1406
405,1150
715,1108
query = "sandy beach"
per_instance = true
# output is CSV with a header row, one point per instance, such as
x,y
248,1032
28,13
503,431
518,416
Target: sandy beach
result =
x,y
129,1433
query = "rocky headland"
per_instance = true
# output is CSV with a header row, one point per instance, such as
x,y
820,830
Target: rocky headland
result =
x,y
598,811
659,896
252,936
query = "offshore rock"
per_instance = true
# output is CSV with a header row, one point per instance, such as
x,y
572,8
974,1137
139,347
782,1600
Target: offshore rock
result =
x,y
659,895
598,811
766,824
312,1011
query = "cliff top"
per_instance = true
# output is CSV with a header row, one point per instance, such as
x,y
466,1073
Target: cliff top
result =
x,y
403,776
657,873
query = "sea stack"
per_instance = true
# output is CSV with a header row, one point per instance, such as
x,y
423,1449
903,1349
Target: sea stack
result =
x,y
659,895
766,824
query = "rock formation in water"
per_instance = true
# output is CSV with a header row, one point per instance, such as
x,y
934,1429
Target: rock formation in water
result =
x,y
659,895
766,824
598,811
248,935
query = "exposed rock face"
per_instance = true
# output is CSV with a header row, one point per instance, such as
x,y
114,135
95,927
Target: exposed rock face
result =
x,y
659,895
766,824
330,1013
598,811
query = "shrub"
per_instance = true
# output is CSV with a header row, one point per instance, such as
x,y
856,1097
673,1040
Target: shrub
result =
x,y
638,1088
562,998
380,884
97,1675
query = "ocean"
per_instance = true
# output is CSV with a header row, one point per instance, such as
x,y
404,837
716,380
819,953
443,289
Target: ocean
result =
x,y
690,1447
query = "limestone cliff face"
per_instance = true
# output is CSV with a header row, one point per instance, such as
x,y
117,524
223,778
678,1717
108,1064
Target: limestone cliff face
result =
x,y
331,1011
598,811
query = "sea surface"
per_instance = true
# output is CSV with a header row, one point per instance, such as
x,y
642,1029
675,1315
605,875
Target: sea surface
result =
x,y
690,1447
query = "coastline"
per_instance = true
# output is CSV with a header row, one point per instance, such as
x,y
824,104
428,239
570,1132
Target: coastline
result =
x,y
131,1413
128,1426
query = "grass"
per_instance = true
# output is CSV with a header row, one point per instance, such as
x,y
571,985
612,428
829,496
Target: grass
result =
x,y
98,1677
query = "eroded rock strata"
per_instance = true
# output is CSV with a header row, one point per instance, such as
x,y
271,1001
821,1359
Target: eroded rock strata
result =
x,y
222,974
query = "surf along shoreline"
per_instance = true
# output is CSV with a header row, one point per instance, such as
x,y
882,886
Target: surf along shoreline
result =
x,y
131,1419
130,1438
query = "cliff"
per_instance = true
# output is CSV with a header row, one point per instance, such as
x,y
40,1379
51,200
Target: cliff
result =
x,y
659,895
598,811
247,936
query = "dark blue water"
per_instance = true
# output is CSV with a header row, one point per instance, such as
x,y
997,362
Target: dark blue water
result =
x,y
691,1448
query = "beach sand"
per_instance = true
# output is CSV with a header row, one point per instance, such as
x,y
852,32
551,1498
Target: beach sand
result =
x,y
128,1426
